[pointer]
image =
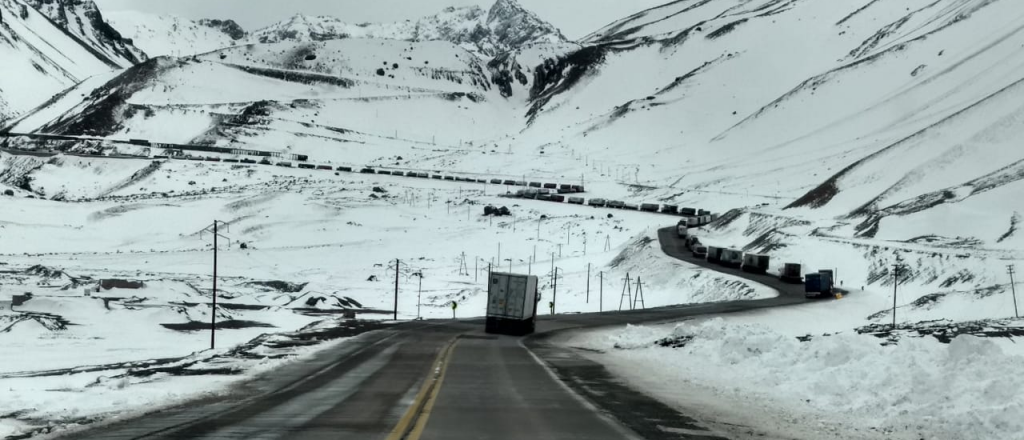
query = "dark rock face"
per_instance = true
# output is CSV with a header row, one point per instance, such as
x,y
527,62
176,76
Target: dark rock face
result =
x,y
229,27
82,20
506,26
513,26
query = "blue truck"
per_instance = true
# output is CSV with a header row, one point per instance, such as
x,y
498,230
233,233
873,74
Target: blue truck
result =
x,y
818,284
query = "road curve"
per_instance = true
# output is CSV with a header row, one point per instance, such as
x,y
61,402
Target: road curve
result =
x,y
449,380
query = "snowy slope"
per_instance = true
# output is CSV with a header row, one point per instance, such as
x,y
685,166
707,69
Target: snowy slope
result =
x,y
326,93
44,54
884,127
160,35
505,26
848,134
82,20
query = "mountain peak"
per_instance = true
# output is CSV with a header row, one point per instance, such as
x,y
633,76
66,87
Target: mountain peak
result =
x,y
506,26
515,25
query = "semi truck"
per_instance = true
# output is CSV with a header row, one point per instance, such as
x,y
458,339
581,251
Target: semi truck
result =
x,y
755,263
732,258
791,273
692,241
818,284
511,304
714,254
681,229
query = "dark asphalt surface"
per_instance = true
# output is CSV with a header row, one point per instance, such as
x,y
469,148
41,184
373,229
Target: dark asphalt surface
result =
x,y
492,387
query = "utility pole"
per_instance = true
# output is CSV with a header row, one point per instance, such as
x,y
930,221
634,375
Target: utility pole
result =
x,y
397,264
552,266
588,283
554,295
213,308
1013,288
419,294
600,300
639,297
627,292
895,282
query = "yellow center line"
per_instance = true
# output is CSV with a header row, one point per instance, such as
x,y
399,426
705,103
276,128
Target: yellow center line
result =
x,y
421,422
419,411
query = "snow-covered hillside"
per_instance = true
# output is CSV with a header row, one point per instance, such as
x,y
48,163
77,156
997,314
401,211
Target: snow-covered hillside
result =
x,y
82,20
875,129
162,35
851,135
505,26
46,52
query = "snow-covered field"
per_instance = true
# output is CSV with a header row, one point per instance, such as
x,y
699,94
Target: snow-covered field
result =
x,y
851,135
751,377
317,245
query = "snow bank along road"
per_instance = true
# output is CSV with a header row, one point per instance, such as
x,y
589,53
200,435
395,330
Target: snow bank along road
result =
x,y
449,380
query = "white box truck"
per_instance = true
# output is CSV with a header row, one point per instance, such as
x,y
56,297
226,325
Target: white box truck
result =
x,y
682,231
511,304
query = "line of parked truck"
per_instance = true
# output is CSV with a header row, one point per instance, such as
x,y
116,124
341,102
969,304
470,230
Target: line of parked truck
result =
x,y
693,217
554,188
817,284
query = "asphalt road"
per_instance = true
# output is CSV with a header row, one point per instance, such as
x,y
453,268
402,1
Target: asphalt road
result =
x,y
450,381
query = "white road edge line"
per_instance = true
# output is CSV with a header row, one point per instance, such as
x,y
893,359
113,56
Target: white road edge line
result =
x,y
619,427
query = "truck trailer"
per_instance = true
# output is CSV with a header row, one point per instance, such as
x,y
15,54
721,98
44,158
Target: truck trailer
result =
x,y
755,263
790,273
732,258
818,284
714,254
511,304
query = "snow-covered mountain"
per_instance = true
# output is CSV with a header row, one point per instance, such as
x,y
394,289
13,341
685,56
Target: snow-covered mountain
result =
x,y
46,50
506,26
160,35
83,20
886,127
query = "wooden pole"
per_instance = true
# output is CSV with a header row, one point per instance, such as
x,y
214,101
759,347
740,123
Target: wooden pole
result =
x,y
588,283
213,311
397,264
